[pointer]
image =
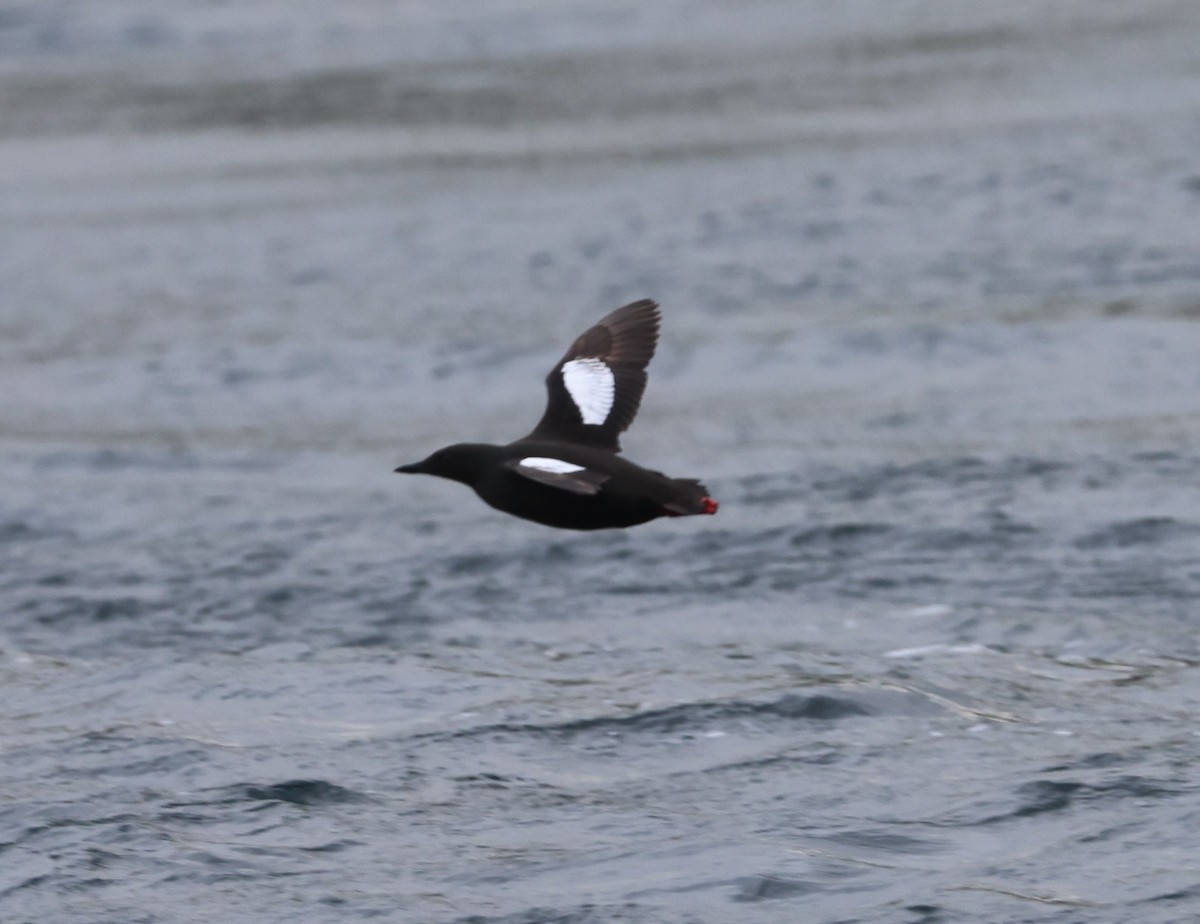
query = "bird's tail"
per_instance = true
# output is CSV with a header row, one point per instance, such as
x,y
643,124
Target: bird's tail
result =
x,y
691,499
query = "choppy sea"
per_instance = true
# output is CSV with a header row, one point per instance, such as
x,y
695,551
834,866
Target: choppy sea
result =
x,y
930,277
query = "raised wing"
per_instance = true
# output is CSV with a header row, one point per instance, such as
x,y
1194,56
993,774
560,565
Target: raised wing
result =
x,y
594,392
558,474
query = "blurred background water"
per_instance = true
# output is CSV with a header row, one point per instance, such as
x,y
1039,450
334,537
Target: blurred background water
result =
x,y
930,274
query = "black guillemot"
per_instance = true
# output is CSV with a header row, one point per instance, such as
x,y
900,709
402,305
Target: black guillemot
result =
x,y
567,473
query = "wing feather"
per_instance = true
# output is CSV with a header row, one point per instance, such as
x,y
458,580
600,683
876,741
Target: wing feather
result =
x,y
558,474
595,390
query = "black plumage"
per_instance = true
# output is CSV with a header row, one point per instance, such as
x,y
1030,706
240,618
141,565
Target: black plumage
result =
x,y
567,471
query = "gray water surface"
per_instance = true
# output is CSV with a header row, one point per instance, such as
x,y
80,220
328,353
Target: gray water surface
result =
x,y
930,277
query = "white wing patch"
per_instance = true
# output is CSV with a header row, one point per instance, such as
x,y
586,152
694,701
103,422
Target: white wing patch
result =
x,y
591,386
554,466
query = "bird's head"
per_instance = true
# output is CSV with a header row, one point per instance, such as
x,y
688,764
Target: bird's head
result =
x,y
460,462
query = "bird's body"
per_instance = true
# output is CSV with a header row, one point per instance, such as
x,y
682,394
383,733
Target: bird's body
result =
x,y
567,472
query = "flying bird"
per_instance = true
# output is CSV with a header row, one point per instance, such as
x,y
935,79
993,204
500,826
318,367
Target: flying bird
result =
x,y
567,472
